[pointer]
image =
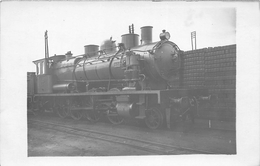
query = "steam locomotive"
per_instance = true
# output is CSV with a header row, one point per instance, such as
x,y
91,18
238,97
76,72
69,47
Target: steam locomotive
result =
x,y
130,80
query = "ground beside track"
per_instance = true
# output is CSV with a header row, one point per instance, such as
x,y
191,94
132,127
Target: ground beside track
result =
x,y
46,142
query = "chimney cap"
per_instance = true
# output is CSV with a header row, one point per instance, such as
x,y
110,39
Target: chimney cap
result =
x,y
147,27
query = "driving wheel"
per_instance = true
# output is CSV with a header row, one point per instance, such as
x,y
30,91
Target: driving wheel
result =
x,y
92,115
76,114
63,109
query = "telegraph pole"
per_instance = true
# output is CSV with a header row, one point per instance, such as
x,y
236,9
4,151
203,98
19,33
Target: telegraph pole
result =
x,y
46,67
193,40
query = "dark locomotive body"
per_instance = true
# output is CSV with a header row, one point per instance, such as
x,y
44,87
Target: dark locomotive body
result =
x,y
127,81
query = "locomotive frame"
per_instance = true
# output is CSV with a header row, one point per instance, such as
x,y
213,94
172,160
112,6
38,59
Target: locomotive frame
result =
x,y
59,90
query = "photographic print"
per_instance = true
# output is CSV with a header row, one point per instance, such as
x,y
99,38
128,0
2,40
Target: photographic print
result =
x,y
120,80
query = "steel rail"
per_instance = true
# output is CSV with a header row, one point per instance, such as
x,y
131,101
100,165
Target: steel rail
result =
x,y
154,147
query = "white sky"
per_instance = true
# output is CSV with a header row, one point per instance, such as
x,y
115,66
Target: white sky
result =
x,y
72,25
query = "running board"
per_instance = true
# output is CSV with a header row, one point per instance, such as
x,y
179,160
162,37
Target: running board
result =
x,y
140,117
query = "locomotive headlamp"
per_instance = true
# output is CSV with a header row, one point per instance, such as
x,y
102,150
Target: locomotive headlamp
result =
x,y
165,35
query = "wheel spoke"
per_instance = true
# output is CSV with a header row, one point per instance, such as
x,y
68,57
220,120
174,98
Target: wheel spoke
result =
x,y
76,114
61,111
154,118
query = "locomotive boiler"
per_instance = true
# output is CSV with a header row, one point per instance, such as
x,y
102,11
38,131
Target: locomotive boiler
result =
x,y
130,80
132,66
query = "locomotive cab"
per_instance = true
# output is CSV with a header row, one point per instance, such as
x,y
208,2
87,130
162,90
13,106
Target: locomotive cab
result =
x,y
43,76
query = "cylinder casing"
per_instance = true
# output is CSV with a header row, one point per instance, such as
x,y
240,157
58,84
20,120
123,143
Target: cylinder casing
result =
x,y
126,110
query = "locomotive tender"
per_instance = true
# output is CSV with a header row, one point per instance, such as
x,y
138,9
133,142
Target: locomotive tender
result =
x,y
130,80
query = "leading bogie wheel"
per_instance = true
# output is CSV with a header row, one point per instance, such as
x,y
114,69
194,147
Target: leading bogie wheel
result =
x,y
154,118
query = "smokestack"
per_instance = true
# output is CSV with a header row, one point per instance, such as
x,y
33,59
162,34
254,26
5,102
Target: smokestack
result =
x,y
146,34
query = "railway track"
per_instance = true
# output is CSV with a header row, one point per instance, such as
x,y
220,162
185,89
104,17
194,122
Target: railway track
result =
x,y
153,147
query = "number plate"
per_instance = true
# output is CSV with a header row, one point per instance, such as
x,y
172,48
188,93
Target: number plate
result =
x,y
116,64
